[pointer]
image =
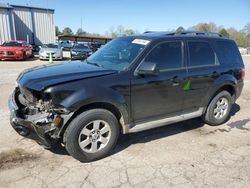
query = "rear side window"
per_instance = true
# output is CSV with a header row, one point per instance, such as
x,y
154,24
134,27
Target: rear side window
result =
x,y
167,55
228,52
201,54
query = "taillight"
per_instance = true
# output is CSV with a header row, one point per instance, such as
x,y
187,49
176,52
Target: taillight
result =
x,y
242,74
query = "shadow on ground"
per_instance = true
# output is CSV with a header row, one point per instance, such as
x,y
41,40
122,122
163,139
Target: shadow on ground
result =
x,y
154,134
27,59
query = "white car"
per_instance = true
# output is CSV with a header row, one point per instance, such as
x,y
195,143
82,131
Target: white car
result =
x,y
54,49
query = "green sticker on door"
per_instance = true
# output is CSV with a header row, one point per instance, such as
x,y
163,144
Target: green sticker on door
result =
x,y
187,85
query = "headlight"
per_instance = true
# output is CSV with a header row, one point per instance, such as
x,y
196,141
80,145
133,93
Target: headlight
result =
x,y
19,52
73,52
90,53
41,52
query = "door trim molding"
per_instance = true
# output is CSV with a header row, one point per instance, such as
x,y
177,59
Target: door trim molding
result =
x,y
165,121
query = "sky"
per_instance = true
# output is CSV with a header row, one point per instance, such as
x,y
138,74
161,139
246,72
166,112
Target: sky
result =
x,y
99,16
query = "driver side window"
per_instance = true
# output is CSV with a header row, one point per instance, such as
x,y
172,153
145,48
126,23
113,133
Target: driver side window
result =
x,y
167,55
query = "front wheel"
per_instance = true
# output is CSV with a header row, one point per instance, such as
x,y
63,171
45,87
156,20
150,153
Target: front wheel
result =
x,y
92,135
218,111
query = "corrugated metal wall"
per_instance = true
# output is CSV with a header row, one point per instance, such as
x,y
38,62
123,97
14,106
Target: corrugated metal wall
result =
x,y
27,23
44,26
23,24
4,25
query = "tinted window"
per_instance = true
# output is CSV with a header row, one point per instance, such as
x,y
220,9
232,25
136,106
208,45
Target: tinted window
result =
x,y
201,53
14,44
50,46
82,46
166,55
228,52
118,54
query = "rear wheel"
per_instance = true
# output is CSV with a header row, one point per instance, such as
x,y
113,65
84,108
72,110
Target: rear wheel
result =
x,y
92,135
218,111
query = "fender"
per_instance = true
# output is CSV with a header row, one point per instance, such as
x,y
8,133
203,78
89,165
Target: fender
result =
x,y
77,99
224,80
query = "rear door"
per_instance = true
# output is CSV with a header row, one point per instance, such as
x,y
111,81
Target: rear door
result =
x,y
161,94
202,69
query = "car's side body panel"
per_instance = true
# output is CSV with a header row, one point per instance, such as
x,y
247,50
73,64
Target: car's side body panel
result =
x,y
143,101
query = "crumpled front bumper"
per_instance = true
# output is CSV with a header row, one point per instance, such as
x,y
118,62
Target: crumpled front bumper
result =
x,y
27,127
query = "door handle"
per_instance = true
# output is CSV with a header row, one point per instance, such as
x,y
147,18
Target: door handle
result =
x,y
215,74
175,80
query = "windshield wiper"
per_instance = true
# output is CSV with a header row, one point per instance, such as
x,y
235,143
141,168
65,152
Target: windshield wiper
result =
x,y
93,63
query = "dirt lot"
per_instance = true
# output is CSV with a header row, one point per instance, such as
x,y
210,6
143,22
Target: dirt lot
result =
x,y
187,154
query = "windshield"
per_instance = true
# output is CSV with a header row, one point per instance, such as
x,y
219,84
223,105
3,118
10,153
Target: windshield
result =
x,y
50,46
118,54
81,46
14,44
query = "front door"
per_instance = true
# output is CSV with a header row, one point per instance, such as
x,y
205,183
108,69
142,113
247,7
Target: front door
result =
x,y
159,95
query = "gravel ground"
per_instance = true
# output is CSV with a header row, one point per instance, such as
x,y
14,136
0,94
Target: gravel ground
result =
x,y
187,154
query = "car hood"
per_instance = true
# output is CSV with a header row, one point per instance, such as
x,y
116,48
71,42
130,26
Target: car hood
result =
x,y
50,50
10,48
41,77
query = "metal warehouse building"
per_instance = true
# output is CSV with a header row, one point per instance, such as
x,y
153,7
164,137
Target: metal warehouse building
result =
x,y
32,24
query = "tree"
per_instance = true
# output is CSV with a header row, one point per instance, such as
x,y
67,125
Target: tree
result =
x,y
129,32
80,31
120,31
247,29
67,31
239,36
224,33
58,32
180,29
209,27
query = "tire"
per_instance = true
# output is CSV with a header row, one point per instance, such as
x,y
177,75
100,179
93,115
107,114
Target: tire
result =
x,y
215,115
79,128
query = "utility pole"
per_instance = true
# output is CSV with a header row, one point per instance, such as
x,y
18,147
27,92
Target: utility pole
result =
x,y
81,23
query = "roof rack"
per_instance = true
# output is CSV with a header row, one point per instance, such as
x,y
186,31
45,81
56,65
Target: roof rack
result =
x,y
195,33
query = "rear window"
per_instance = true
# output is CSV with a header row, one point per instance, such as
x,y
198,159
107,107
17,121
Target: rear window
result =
x,y
228,52
201,54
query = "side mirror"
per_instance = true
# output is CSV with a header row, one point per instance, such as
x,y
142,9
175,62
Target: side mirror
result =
x,y
148,68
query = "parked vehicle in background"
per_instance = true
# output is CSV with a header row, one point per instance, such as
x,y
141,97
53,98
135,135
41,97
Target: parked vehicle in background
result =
x,y
248,50
66,45
243,51
15,50
35,48
80,51
54,49
94,46
132,84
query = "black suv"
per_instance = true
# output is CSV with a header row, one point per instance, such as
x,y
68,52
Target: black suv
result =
x,y
132,84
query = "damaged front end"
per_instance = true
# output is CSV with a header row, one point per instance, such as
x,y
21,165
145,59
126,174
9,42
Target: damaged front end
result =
x,y
34,116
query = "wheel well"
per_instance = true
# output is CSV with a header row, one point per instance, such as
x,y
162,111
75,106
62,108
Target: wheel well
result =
x,y
110,107
228,88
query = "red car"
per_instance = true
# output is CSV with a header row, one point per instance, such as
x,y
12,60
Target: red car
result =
x,y
15,50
